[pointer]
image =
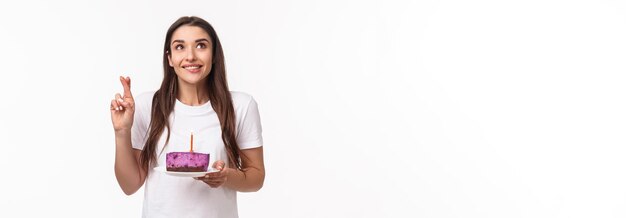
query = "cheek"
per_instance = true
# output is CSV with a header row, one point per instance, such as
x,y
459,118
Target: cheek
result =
x,y
175,60
207,58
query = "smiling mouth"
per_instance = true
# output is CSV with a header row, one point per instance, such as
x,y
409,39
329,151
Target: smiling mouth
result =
x,y
194,68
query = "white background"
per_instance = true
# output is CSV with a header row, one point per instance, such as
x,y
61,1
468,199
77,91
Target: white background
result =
x,y
369,109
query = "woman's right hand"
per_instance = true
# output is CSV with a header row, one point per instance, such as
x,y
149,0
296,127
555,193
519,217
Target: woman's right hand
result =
x,y
123,108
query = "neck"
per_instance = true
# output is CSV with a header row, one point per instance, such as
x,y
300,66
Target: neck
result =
x,y
192,95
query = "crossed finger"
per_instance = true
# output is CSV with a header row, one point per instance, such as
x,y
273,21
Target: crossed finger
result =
x,y
118,103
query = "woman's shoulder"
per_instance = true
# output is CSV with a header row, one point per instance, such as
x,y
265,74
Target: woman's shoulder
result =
x,y
144,99
145,95
241,99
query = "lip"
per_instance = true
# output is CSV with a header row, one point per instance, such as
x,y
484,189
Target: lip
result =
x,y
193,68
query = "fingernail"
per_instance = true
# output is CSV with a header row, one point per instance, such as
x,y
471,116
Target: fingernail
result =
x,y
120,100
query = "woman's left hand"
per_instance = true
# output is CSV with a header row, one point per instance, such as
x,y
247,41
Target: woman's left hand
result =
x,y
216,179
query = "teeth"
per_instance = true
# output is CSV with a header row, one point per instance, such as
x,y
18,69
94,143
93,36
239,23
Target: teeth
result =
x,y
191,67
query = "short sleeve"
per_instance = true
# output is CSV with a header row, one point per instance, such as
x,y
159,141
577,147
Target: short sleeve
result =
x,y
249,131
139,130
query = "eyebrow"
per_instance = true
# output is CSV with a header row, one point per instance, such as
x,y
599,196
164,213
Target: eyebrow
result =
x,y
197,40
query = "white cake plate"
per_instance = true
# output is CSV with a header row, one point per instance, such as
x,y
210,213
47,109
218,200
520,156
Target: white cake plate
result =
x,y
184,174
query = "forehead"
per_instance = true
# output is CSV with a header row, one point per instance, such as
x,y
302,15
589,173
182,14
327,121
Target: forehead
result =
x,y
189,33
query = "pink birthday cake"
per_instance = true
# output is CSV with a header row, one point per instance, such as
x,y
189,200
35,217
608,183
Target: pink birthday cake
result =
x,y
187,162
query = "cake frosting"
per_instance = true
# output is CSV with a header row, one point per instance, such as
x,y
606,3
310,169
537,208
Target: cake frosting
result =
x,y
187,162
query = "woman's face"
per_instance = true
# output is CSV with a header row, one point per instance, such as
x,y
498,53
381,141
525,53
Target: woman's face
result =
x,y
191,54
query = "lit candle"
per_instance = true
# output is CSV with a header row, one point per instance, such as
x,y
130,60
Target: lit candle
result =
x,y
191,145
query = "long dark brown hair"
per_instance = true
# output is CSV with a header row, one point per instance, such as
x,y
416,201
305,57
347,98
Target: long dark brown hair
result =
x,y
219,96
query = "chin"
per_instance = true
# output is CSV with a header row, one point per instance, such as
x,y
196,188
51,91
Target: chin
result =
x,y
193,81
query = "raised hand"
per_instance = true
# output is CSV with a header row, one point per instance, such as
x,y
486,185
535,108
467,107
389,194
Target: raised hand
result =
x,y
123,108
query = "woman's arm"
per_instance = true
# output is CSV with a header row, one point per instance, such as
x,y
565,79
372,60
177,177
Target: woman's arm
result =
x,y
129,173
252,175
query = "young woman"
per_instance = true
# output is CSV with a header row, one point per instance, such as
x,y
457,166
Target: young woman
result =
x,y
193,97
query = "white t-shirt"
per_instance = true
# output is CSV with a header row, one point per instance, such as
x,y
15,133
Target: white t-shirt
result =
x,y
170,196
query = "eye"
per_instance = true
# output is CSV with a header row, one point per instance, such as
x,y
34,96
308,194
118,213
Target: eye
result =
x,y
178,47
201,45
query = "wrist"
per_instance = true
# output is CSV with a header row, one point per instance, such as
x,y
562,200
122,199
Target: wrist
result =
x,y
232,174
122,139
122,133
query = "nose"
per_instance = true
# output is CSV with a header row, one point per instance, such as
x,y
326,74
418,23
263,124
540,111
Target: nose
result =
x,y
191,55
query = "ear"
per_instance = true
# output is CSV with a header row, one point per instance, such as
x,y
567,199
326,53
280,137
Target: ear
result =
x,y
169,60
